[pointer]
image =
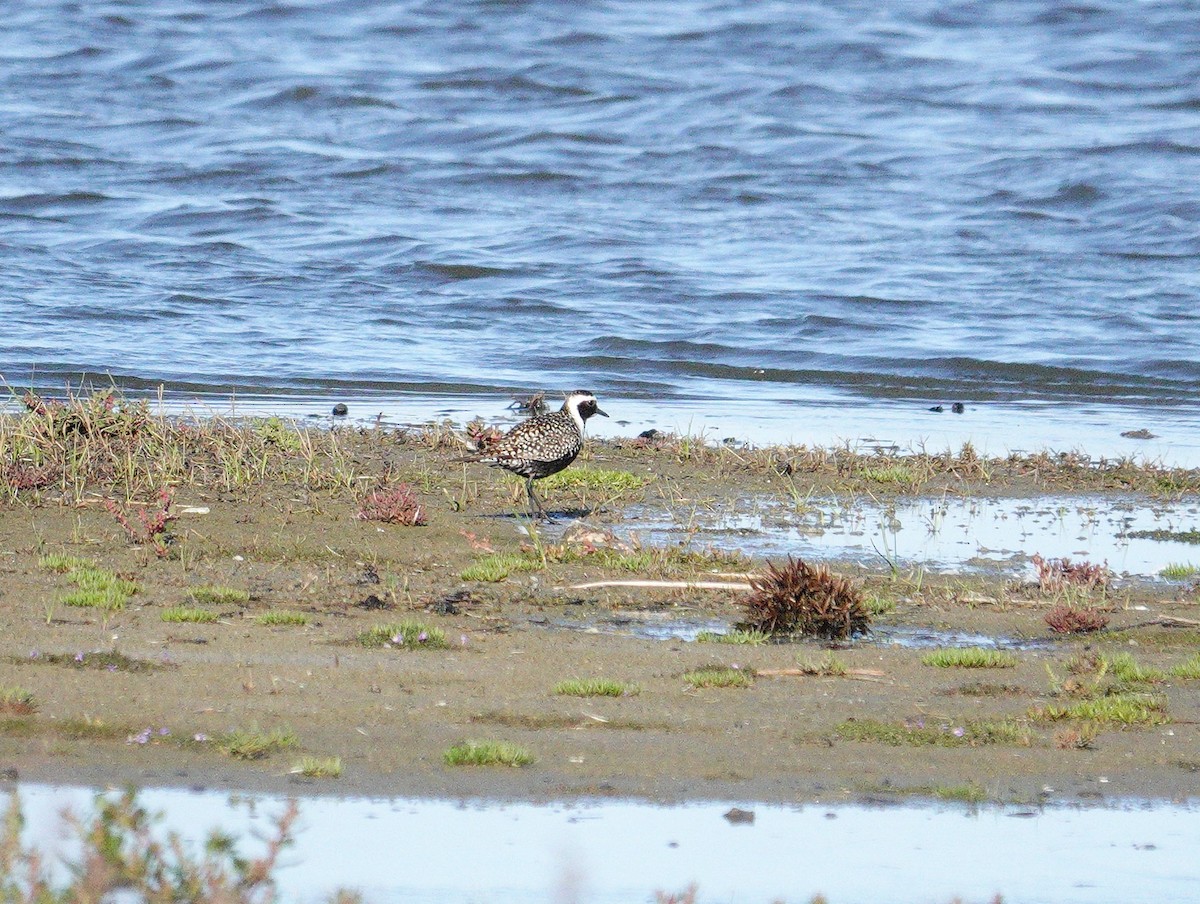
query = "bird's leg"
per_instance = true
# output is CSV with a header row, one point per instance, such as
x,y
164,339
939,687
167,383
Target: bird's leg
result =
x,y
535,505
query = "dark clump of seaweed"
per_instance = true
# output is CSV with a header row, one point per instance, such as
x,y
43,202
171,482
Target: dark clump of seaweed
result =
x,y
806,600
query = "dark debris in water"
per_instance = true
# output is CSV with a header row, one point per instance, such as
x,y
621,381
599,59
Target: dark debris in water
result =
x,y
1166,536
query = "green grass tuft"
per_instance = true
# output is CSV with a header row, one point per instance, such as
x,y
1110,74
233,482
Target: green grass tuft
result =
x,y
61,564
603,480
487,753
318,767
16,701
1127,670
98,588
409,634
595,687
185,614
879,606
970,793
282,617
1116,709
498,566
1180,571
719,676
1189,670
106,660
969,658
942,734
220,596
252,744
736,636
894,475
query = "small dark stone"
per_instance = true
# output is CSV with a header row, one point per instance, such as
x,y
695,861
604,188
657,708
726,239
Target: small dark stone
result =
x,y
958,407
369,576
739,817
648,434
448,605
938,408
372,603
340,410
1143,433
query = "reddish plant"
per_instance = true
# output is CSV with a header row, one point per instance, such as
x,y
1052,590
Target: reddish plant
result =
x,y
798,598
1056,574
393,505
151,526
19,475
1073,620
483,437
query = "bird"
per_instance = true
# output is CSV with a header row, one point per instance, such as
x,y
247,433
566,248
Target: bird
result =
x,y
542,445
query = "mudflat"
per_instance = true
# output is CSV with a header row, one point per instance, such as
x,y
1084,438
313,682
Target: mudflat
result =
x,y
250,611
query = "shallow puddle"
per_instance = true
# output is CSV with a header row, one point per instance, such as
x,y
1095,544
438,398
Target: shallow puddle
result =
x,y
657,626
594,853
941,535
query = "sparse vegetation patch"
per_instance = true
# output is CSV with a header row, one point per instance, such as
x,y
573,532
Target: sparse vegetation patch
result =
x,y
318,767
603,480
1118,709
16,701
920,733
970,658
487,753
253,744
279,618
498,566
719,676
1189,670
409,634
219,596
736,636
595,687
104,660
1180,571
188,614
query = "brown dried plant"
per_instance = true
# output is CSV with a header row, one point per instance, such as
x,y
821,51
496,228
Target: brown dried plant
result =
x,y
798,598
1055,575
483,437
1074,620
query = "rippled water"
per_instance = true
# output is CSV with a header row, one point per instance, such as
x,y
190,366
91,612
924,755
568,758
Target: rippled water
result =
x,y
620,851
951,535
773,207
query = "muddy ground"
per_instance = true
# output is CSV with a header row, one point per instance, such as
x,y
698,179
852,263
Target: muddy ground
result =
x,y
389,713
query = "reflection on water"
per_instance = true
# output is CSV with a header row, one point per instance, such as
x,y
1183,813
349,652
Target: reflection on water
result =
x,y
598,852
940,534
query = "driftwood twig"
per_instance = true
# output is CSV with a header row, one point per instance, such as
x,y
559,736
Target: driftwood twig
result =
x,y
664,585
859,674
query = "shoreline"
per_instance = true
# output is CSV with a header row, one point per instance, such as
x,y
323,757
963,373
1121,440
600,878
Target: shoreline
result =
x,y
904,425
273,515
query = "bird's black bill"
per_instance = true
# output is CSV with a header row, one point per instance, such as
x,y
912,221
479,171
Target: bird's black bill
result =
x,y
605,413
